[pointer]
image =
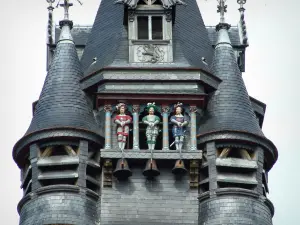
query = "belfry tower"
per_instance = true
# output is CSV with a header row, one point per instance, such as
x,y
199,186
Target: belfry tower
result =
x,y
144,118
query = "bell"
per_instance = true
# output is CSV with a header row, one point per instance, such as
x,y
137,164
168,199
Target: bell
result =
x,y
179,168
122,171
151,169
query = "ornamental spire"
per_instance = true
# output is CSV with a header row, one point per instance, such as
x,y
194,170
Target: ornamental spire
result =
x,y
50,21
242,23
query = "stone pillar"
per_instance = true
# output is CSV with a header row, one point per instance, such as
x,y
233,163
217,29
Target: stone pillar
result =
x,y
260,166
33,157
193,133
136,130
212,169
83,156
165,114
108,110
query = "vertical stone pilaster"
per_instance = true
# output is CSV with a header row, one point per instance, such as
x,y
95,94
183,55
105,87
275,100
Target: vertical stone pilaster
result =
x,y
212,169
136,130
33,157
165,114
108,110
83,156
259,172
193,134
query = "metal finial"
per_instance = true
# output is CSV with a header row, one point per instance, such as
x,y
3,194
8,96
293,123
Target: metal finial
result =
x,y
66,5
222,9
50,3
50,21
241,3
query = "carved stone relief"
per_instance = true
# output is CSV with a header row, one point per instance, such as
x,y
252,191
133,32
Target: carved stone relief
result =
x,y
150,53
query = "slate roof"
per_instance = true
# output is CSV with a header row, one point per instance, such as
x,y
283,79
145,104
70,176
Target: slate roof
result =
x,y
233,35
108,41
229,108
80,34
62,103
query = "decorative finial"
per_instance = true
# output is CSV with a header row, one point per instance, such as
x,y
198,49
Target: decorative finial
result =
x,y
241,3
50,20
66,5
222,9
242,23
50,3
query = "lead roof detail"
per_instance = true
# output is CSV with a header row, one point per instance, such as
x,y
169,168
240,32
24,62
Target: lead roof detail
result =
x,y
229,108
62,103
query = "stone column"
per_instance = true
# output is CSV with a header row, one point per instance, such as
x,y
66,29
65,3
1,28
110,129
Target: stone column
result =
x,y
211,150
108,110
136,130
33,157
165,114
193,133
83,156
260,164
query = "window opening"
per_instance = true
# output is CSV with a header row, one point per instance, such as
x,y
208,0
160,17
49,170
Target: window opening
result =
x,y
143,27
150,27
157,26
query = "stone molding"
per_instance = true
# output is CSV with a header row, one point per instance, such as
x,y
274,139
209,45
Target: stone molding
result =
x,y
146,154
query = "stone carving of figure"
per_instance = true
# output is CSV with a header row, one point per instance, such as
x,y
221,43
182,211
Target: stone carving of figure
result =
x,y
152,125
122,120
179,122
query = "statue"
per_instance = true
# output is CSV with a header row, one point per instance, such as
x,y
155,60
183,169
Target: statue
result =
x,y
179,122
152,129
122,120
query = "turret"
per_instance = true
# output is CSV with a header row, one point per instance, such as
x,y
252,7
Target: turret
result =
x,y
57,155
237,155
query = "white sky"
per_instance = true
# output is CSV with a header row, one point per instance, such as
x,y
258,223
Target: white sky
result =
x,y
271,77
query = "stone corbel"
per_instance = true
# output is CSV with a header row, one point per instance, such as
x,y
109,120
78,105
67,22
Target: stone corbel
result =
x,y
131,15
168,15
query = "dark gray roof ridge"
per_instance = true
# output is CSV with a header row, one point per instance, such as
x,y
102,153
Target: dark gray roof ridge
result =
x,y
229,107
62,103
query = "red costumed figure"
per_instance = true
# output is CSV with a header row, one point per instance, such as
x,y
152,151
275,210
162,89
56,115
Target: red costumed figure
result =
x,y
122,120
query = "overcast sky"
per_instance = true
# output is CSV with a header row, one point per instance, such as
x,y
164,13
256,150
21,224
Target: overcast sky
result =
x,y
272,76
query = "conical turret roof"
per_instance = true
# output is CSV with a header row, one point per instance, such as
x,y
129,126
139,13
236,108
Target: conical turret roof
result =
x,y
62,103
229,108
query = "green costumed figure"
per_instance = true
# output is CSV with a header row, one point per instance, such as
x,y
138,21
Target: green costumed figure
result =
x,y
152,128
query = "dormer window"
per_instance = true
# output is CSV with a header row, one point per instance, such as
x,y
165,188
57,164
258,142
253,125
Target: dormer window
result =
x,y
149,27
150,34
